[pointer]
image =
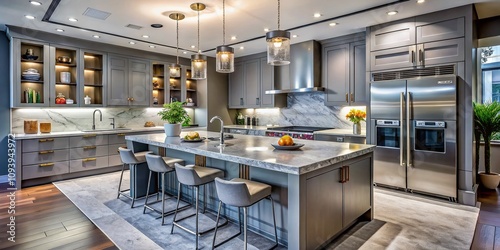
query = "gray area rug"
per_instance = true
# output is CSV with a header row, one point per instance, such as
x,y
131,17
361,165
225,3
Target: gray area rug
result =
x,y
402,221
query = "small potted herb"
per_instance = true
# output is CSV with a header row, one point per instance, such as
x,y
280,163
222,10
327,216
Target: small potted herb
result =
x,y
176,116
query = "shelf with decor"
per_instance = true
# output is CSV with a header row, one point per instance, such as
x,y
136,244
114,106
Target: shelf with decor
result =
x,y
191,90
64,77
93,77
30,74
175,89
158,85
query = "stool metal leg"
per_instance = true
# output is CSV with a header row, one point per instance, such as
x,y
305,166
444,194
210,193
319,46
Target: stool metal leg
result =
x,y
121,178
205,197
196,190
147,193
162,198
177,208
217,224
245,227
135,193
274,221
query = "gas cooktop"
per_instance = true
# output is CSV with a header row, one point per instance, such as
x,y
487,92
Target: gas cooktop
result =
x,y
300,129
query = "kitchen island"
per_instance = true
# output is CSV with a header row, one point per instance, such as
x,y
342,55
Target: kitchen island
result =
x,y
321,189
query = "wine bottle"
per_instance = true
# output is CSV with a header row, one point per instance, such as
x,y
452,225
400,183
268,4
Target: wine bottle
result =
x,y
38,97
30,95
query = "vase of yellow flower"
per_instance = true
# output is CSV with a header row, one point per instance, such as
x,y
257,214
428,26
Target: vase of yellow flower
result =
x,y
356,116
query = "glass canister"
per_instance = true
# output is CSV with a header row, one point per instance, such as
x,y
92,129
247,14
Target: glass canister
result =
x,y
45,127
30,126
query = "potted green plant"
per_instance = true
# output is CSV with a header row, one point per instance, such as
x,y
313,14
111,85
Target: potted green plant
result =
x,y
176,116
486,124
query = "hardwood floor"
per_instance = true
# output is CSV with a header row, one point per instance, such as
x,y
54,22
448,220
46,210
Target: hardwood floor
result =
x,y
46,219
487,234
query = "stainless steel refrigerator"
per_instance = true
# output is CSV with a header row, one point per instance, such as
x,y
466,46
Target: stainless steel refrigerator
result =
x,y
413,125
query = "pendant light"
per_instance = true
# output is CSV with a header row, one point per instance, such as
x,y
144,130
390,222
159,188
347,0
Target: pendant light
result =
x,y
278,45
225,54
198,61
175,68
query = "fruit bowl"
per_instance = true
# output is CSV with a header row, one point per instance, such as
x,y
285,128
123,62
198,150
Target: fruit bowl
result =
x,y
292,147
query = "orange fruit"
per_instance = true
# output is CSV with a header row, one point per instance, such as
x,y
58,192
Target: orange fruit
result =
x,y
285,140
281,142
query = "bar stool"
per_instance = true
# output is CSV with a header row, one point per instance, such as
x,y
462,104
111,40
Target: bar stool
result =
x,y
242,193
132,159
194,176
160,165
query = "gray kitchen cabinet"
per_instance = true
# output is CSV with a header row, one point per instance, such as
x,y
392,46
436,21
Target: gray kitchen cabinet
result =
x,y
346,188
344,74
267,83
88,151
417,42
45,170
252,83
129,81
45,156
237,87
392,35
69,87
45,144
88,140
93,78
88,164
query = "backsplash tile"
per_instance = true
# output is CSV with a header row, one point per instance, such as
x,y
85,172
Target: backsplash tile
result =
x,y
71,119
305,109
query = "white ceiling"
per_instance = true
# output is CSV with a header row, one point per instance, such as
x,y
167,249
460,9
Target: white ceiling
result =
x,y
244,19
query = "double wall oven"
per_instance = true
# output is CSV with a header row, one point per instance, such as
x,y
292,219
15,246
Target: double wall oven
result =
x,y
414,130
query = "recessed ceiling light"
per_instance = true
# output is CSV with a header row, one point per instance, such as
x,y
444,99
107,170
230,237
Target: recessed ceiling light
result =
x,y
333,24
29,17
294,36
35,3
156,25
145,36
96,36
233,38
317,15
184,52
73,19
420,1
152,46
266,30
192,46
59,30
392,13
242,47
132,43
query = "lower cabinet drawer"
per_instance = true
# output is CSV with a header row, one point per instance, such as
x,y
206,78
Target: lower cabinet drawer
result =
x,y
45,144
114,160
88,151
45,156
45,169
113,148
88,164
116,138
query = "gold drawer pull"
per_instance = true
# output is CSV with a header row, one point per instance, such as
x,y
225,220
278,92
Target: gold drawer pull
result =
x,y
91,135
89,159
89,147
50,164
45,140
120,134
46,152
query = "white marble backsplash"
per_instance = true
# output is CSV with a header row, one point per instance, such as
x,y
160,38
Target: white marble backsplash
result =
x,y
76,119
305,109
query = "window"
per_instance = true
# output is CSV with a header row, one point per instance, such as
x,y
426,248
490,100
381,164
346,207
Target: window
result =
x,y
490,67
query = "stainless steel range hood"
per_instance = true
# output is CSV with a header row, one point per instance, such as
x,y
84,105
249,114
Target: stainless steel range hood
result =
x,y
303,74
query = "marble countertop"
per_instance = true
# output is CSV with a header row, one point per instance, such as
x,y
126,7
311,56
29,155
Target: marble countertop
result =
x,y
257,151
99,132
340,131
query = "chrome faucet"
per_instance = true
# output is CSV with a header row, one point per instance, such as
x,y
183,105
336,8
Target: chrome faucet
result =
x,y
112,122
93,118
221,128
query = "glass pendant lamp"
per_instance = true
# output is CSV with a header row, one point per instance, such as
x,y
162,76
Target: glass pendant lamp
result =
x,y
198,61
225,54
278,45
175,68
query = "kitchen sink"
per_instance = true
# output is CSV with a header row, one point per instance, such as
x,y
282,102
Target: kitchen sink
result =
x,y
106,129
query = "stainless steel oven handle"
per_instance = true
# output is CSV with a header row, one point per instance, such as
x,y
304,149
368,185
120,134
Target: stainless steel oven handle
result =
x,y
408,136
401,137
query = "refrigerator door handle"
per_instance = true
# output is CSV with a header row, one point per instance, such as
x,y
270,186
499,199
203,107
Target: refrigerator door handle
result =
x,y
401,137
408,136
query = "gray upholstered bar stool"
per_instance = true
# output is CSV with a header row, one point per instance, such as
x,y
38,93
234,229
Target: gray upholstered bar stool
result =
x,y
132,159
194,176
242,193
160,165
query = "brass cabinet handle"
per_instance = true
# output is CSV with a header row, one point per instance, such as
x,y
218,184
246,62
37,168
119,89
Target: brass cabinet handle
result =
x,y
91,135
342,175
347,97
347,174
46,140
89,159
120,134
89,147
352,97
131,99
46,152
50,164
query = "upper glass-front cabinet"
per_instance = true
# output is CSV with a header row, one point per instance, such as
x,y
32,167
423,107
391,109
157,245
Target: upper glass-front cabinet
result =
x,y
30,74
93,78
158,85
64,77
